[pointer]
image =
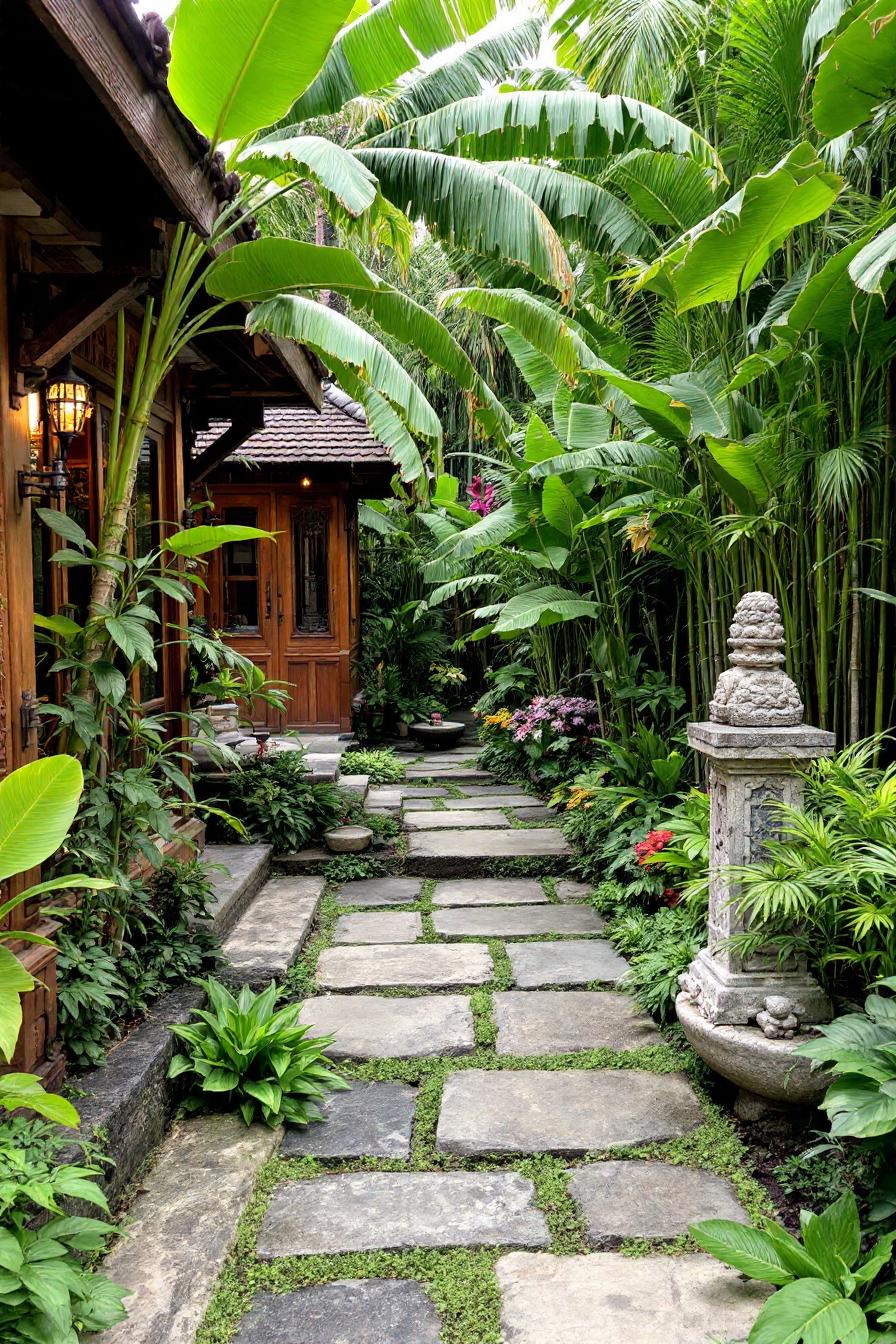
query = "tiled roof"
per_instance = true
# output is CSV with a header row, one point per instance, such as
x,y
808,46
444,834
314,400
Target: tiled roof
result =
x,y
299,434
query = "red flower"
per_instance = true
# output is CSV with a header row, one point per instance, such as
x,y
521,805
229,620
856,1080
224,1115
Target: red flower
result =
x,y
656,840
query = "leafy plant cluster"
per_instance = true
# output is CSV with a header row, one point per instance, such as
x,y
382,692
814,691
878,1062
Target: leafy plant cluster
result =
x,y
278,803
380,764
105,983
47,1294
246,1054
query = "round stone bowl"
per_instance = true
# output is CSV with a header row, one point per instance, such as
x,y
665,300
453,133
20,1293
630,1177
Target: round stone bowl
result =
x,y
439,735
760,1067
348,839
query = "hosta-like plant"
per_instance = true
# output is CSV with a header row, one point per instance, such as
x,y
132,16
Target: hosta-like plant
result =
x,y
244,1053
829,1292
860,1050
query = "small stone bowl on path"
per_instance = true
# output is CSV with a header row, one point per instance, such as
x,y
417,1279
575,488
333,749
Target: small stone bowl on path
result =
x,y
348,839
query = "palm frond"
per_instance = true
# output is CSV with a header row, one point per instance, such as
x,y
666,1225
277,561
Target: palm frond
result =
x,y
635,47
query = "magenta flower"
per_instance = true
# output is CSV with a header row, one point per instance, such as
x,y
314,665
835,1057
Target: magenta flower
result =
x,y
481,500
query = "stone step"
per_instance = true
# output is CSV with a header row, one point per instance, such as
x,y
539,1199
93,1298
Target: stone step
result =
x,y
565,1111
649,1199
457,854
517,921
370,1120
485,800
270,935
447,772
548,1022
237,873
357,786
484,818
396,966
380,891
479,891
399,1211
565,961
379,926
660,1299
366,1026
182,1225
362,1311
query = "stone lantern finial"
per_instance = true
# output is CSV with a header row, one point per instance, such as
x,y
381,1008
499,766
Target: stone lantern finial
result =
x,y
756,692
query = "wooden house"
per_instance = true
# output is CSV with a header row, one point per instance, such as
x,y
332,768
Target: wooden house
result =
x,y
293,607
96,166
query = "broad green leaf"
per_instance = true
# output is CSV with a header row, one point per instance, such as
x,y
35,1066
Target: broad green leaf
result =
x,y
858,1109
587,426
570,125
828,302
870,265
809,1311
272,266
560,506
23,1091
469,204
58,625
543,606
385,43
718,258
14,981
537,370
238,65
541,325
195,541
856,71
744,1248
330,333
284,156
665,189
741,475
38,803
540,443
580,210
63,526
834,1236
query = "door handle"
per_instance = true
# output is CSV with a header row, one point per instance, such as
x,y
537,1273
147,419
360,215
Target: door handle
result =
x,y
267,599
279,608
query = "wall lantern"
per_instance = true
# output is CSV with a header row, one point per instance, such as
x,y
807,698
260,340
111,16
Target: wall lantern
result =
x,y
68,402
305,482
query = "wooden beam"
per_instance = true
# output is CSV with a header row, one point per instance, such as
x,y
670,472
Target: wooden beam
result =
x,y
84,33
86,302
236,433
295,360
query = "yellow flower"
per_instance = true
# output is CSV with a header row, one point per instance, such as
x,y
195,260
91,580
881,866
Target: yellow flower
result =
x,y
641,533
501,719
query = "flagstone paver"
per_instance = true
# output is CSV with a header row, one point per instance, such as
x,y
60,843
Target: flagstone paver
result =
x,y
350,1311
562,1110
379,926
530,1022
458,854
516,921
493,800
380,891
566,961
617,1299
485,891
488,818
394,1211
390,966
370,1120
369,1027
392,795
649,1199
491,789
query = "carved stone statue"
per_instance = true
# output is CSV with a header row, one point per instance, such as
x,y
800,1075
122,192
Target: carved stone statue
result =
x,y
756,691
778,1021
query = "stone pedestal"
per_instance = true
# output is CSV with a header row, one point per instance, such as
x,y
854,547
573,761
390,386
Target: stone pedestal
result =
x,y
751,769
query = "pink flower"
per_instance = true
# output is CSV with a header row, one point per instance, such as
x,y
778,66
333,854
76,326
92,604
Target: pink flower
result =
x,y
481,501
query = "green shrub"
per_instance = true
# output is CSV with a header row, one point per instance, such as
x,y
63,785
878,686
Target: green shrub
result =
x,y
828,1290
379,763
279,804
859,1049
244,1054
660,947
47,1296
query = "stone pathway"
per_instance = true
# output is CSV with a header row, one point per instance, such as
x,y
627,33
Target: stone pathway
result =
x,y
512,1119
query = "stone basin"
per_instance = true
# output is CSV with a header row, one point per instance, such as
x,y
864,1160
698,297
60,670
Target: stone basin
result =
x,y
348,839
764,1070
439,735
